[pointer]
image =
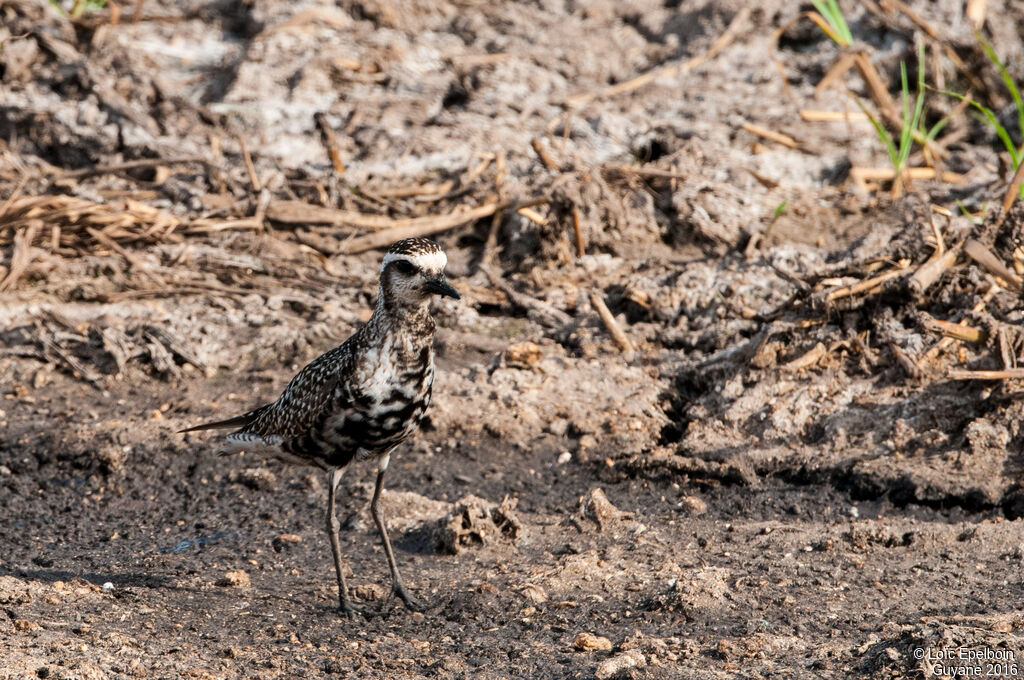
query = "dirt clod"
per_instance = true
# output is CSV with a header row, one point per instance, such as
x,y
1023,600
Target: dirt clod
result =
x,y
588,642
286,541
620,664
596,507
235,579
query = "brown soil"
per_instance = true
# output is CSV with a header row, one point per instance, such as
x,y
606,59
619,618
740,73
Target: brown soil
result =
x,y
778,479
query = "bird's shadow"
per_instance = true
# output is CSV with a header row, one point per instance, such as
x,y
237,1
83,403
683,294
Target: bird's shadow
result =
x,y
129,579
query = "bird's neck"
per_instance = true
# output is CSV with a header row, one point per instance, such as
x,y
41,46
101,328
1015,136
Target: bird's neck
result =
x,y
403,317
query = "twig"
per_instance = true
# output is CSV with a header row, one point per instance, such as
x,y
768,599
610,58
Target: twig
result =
x,y
783,139
866,284
543,154
533,216
904,359
249,166
1005,374
805,360
1008,198
17,192
876,87
987,259
643,172
423,226
22,255
300,212
947,341
77,368
612,326
931,270
957,331
721,43
543,312
126,254
885,174
330,141
577,228
818,116
128,165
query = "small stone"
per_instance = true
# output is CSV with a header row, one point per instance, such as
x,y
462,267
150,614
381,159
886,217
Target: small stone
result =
x,y
108,586
588,642
693,505
235,579
522,354
286,541
534,593
25,626
620,664
564,457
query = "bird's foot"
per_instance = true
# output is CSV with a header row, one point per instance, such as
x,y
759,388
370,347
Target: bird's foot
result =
x,y
352,610
401,592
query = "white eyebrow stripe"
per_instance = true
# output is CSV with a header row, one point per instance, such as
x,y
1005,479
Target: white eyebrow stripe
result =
x,y
431,262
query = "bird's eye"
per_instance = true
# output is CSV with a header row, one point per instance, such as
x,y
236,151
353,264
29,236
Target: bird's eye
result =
x,y
404,266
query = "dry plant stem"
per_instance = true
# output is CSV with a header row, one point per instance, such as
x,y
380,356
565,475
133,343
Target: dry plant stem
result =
x,y
549,313
908,364
330,141
542,154
838,70
721,43
818,116
957,331
987,259
17,192
300,212
129,165
861,174
22,255
249,167
805,360
975,13
931,270
1006,348
912,15
866,284
643,172
947,341
876,87
765,133
577,228
78,369
1008,198
423,226
533,216
126,254
612,326
1005,374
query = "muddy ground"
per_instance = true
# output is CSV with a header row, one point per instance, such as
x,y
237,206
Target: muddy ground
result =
x,y
782,470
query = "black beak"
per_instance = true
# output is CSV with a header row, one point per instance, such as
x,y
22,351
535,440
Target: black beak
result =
x,y
440,286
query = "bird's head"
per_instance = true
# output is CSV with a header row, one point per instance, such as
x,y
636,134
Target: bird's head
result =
x,y
412,272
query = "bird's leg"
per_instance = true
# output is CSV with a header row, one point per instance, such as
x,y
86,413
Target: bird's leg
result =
x,y
397,587
347,607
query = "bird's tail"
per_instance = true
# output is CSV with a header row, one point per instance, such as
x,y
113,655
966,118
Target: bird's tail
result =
x,y
236,422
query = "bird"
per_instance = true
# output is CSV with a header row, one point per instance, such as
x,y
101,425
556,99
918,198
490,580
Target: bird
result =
x,y
360,400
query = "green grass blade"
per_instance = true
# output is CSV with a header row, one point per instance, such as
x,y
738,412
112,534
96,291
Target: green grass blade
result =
x,y
1007,78
989,117
882,133
830,11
